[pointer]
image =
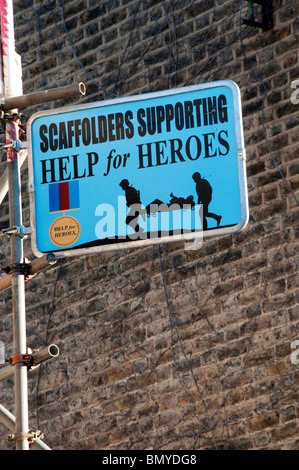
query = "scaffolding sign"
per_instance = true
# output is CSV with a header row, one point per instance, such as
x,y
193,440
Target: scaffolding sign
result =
x,y
136,171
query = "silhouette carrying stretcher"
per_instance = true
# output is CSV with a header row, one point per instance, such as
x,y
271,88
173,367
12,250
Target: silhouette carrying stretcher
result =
x,y
136,209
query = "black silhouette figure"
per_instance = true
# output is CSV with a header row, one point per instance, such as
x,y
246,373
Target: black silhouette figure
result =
x,y
134,203
204,193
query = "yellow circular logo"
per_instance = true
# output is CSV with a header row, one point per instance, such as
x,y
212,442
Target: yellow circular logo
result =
x,y
65,231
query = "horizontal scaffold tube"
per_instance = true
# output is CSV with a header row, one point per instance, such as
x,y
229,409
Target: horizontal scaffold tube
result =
x,y
36,266
38,357
31,99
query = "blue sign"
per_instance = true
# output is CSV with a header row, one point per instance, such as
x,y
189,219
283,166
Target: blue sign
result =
x,y
143,169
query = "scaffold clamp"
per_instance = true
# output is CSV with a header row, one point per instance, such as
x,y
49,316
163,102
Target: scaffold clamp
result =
x,y
20,230
25,359
31,436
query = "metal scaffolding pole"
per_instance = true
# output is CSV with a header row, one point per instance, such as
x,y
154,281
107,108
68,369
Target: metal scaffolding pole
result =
x,y
35,359
13,87
9,421
35,267
21,362
44,96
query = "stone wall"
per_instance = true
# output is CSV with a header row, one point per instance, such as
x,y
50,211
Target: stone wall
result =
x,y
163,348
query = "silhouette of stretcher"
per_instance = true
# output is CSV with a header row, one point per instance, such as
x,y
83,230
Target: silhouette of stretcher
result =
x,y
176,203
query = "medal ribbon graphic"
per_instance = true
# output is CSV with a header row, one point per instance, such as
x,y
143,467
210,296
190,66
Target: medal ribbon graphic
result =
x,y
63,197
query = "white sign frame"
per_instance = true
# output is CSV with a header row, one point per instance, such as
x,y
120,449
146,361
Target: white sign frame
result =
x,y
38,120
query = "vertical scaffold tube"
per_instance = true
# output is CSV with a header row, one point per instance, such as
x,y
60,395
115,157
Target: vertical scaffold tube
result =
x,y
13,87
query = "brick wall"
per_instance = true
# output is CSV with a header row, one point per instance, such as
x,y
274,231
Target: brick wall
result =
x,y
162,348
